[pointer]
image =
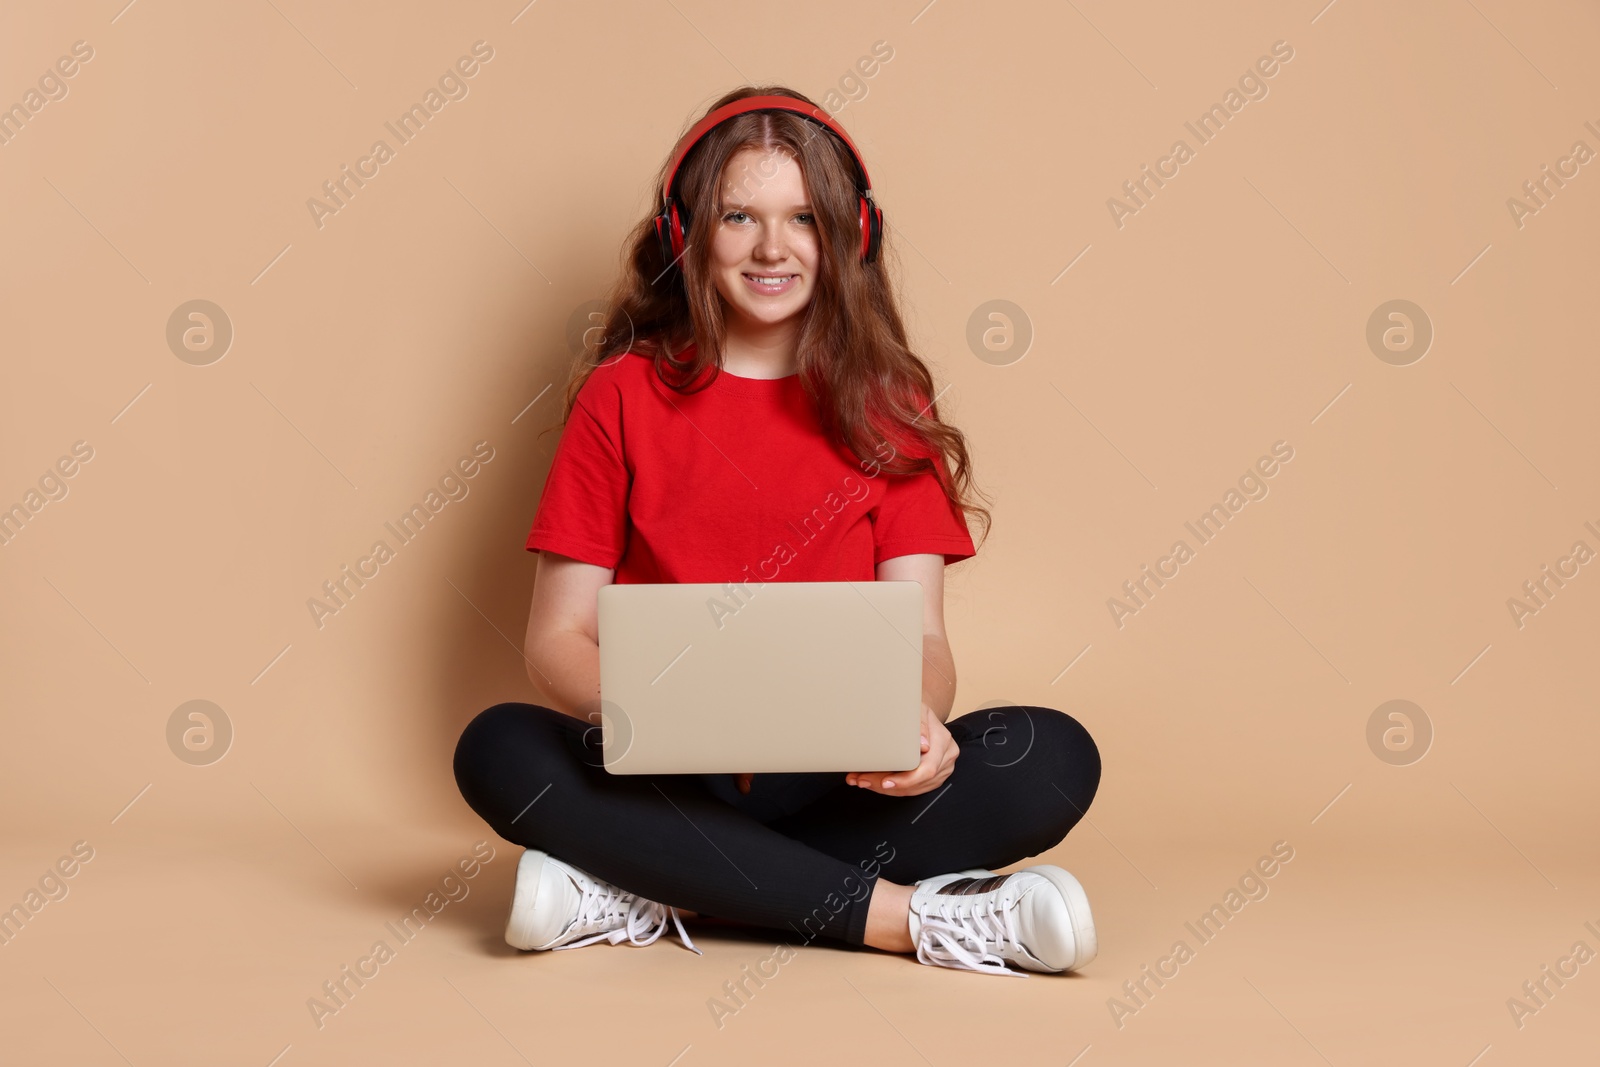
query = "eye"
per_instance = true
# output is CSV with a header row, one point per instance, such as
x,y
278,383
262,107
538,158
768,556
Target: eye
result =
x,y
729,217
810,219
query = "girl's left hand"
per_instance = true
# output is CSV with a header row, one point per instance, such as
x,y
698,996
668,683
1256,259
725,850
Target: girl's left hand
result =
x,y
939,752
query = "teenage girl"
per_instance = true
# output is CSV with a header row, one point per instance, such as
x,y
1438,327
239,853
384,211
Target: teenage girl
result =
x,y
754,413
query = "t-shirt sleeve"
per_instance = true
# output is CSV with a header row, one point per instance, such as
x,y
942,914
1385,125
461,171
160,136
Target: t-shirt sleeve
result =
x,y
583,509
916,517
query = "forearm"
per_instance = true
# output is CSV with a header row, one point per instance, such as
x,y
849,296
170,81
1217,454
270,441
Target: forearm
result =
x,y
938,675
565,667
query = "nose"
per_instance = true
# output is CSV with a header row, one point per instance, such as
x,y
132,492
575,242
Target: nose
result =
x,y
770,244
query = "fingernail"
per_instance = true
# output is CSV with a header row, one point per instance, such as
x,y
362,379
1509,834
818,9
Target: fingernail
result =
x,y
888,784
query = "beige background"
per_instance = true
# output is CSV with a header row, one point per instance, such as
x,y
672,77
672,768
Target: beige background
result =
x,y
371,353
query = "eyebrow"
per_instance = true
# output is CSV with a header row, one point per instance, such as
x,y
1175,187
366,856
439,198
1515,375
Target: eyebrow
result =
x,y
728,205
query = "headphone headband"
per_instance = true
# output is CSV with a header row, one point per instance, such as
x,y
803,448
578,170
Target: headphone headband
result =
x,y
761,103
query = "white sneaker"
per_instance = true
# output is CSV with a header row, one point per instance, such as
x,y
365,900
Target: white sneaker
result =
x,y
1037,918
555,906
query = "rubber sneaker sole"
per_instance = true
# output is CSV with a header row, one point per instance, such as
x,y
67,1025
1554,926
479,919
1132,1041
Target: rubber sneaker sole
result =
x,y
1085,942
519,927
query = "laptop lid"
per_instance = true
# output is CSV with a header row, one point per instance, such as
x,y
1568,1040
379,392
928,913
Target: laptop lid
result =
x,y
785,676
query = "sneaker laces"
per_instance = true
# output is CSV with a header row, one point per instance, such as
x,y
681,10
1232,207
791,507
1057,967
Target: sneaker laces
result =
x,y
612,914
958,932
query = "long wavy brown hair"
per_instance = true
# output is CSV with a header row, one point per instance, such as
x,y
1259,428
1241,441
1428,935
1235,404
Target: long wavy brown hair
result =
x,y
868,388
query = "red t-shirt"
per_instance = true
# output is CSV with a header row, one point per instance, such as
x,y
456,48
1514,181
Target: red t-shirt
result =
x,y
735,482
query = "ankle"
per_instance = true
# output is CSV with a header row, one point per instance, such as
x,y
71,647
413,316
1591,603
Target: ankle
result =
x,y
889,917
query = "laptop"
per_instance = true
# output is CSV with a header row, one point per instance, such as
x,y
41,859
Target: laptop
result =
x,y
784,676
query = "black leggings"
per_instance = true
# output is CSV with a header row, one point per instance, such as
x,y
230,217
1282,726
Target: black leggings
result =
x,y
799,852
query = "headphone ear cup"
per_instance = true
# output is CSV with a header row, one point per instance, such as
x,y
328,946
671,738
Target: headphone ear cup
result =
x,y
871,230
676,230
663,245
669,232
664,239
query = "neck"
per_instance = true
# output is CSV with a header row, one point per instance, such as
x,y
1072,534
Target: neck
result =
x,y
761,350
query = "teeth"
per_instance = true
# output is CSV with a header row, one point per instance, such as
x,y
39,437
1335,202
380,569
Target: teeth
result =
x,y
770,281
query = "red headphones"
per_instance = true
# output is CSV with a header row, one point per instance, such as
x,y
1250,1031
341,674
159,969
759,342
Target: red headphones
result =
x,y
672,223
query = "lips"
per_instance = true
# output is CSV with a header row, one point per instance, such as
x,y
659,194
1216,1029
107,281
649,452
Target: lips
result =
x,y
758,285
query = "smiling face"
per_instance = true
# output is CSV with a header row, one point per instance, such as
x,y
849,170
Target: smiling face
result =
x,y
764,244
